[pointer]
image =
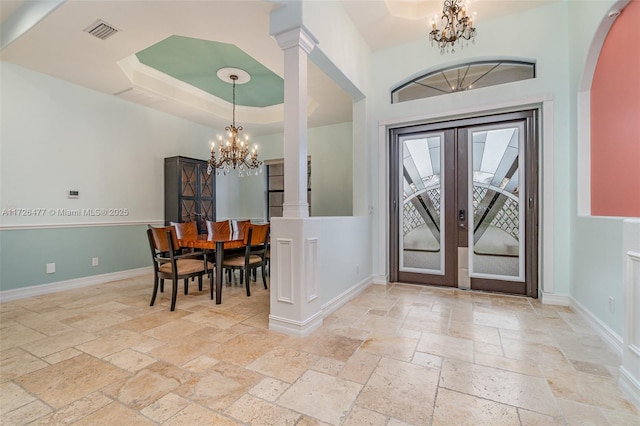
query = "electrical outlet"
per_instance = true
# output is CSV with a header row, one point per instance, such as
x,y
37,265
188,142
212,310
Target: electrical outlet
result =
x,y
50,268
94,261
612,304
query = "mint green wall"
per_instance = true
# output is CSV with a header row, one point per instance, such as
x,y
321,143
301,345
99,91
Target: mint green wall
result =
x,y
24,253
56,137
534,40
331,151
596,242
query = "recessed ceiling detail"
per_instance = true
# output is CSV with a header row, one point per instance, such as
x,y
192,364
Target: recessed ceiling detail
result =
x,y
196,63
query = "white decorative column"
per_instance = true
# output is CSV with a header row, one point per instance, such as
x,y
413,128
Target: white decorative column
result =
x,y
630,369
295,302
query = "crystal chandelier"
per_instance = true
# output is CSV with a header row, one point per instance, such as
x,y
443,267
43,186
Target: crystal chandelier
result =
x,y
233,153
457,26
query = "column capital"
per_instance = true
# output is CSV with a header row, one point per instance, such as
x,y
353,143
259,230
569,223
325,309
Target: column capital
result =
x,y
296,37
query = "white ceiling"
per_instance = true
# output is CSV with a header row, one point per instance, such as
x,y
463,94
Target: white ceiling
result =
x,y
58,46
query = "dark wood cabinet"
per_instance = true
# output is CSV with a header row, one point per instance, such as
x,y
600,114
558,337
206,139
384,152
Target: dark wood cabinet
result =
x,y
189,192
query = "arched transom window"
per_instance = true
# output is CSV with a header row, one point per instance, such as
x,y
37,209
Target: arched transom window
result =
x,y
459,78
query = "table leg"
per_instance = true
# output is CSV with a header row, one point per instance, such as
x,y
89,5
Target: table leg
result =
x,y
219,258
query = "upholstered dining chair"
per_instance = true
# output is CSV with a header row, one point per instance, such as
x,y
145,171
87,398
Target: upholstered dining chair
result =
x,y
253,255
169,264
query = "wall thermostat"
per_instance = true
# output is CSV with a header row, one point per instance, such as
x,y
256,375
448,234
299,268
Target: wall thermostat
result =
x,y
74,194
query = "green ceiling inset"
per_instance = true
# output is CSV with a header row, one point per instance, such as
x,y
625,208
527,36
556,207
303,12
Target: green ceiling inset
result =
x,y
196,62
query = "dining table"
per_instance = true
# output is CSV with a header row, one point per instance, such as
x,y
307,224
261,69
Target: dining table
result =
x,y
218,242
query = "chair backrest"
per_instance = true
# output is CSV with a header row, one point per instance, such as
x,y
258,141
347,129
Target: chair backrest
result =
x,y
240,225
218,228
259,235
159,241
185,229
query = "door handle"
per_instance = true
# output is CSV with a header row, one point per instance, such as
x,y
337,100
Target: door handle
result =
x,y
462,219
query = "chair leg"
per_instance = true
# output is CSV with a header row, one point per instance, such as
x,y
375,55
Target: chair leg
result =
x,y
247,280
174,294
161,286
155,291
200,282
264,278
186,286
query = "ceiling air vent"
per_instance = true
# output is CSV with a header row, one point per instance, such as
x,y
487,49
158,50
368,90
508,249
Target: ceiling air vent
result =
x,y
102,30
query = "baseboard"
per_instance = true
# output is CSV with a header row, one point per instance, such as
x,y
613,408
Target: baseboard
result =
x,y
37,290
340,300
555,299
630,386
608,335
380,279
295,328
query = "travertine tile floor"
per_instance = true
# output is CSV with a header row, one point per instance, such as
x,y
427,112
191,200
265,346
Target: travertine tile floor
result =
x,y
395,355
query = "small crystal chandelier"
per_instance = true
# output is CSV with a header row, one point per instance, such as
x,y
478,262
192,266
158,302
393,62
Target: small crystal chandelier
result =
x,y
234,152
457,26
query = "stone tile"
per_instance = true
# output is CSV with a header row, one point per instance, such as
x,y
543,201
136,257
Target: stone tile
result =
x,y
321,396
152,320
454,408
390,385
522,366
619,417
114,414
197,415
200,364
603,391
67,381
165,407
427,360
254,411
390,346
62,355
26,414
18,335
247,347
174,331
531,418
507,320
446,346
581,414
591,368
380,324
220,386
57,343
130,360
179,353
112,343
13,397
502,386
216,319
15,362
144,388
327,345
361,416
477,333
77,410
359,367
284,364
269,389
328,366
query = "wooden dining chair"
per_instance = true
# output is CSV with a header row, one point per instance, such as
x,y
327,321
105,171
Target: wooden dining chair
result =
x,y
185,229
169,264
219,227
253,255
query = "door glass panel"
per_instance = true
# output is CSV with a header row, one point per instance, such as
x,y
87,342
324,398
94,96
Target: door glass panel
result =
x,y
496,228
421,230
